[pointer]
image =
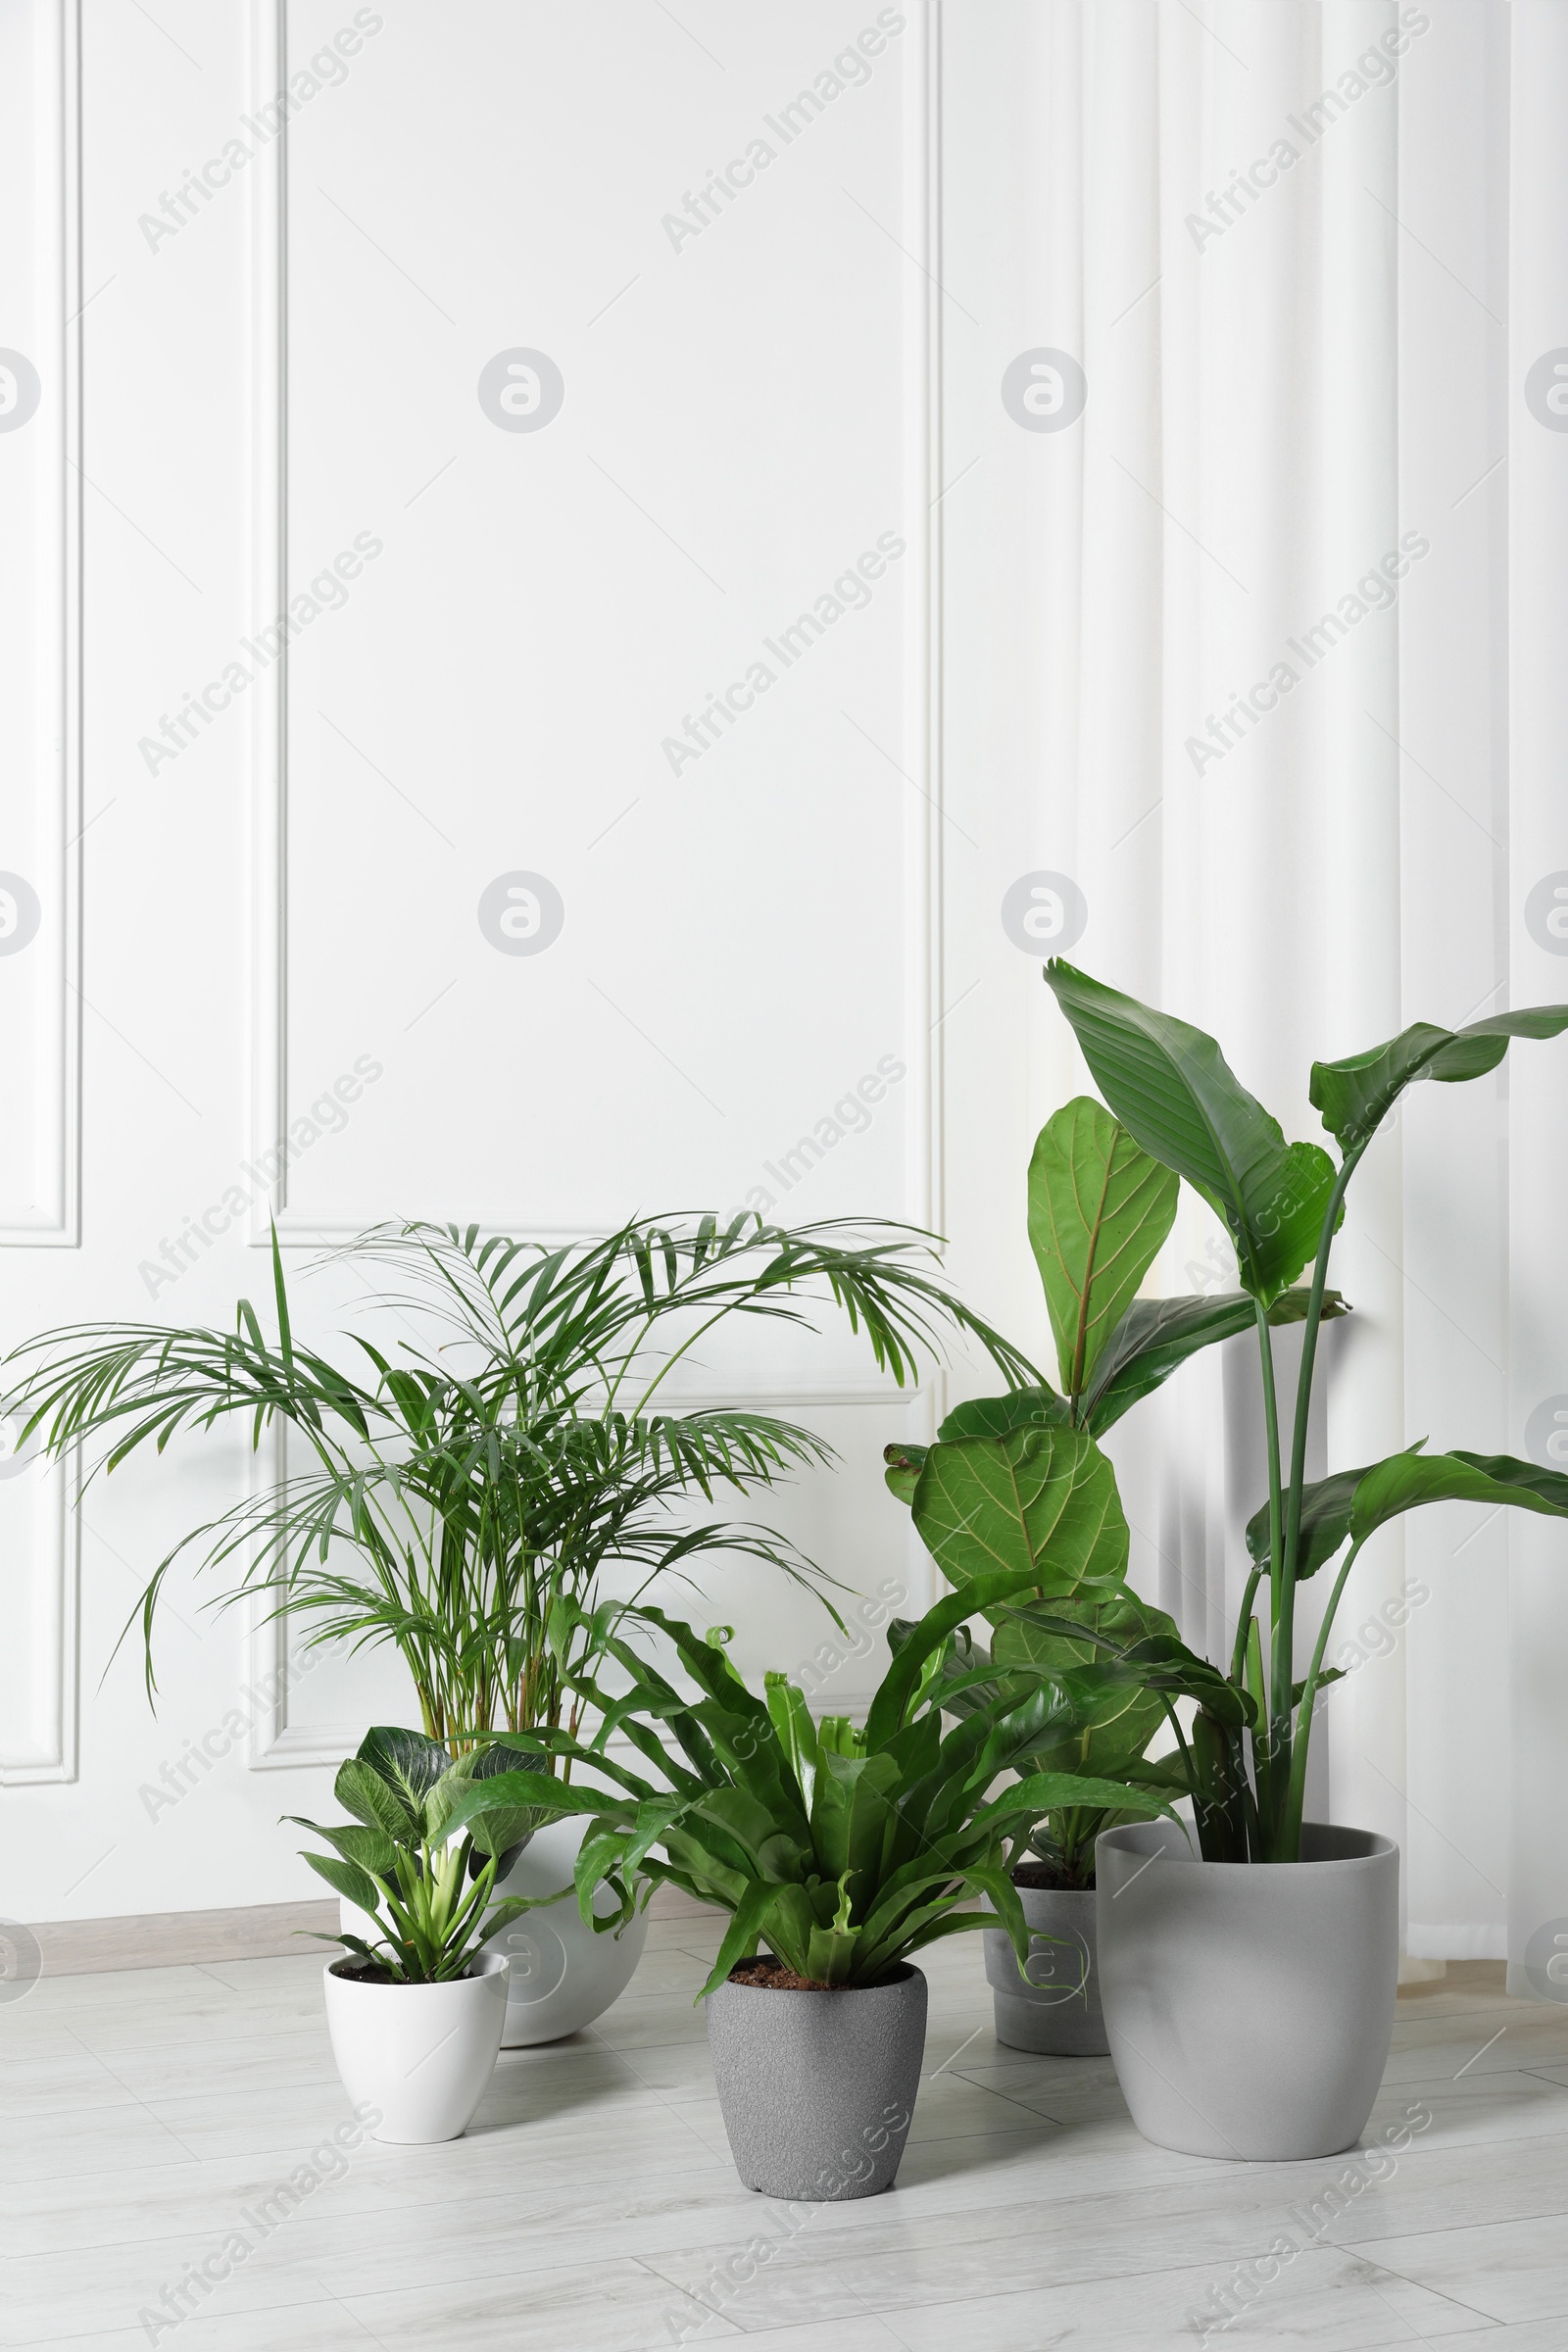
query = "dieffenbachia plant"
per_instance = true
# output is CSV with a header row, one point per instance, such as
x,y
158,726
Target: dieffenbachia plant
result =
x,y
1173,1094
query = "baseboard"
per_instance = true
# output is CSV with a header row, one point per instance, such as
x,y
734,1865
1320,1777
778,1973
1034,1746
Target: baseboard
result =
x,y
84,1948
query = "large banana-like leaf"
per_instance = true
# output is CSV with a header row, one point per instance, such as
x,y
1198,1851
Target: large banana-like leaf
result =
x,y
1099,1209
1155,1335
1172,1089
1355,1094
1355,1502
1040,1500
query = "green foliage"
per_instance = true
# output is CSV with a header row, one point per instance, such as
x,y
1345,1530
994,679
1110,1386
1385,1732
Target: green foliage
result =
x,y
1174,1092
1356,1095
1098,1212
845,1849
1283,1204
515,1451
1040,1502
414,1846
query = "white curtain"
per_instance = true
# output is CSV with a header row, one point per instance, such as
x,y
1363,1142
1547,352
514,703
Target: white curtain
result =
x,y
1284,617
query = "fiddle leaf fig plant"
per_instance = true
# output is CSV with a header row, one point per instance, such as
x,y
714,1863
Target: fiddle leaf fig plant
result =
x,y
1172,1091
1019,1481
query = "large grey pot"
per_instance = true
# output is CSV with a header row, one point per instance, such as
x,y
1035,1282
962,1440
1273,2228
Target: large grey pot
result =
x,y
818,2088
1057,2013
1248,2007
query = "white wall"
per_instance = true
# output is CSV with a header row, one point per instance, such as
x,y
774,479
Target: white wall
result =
x,y
502,687
498,682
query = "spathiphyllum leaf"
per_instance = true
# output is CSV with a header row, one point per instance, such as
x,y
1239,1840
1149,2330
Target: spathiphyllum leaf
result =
x,y
1172,1089
1099,1209
1355,1094
1040,1499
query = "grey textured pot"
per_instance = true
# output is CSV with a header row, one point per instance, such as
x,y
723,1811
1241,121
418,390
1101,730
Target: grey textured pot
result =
x,y
818,2088
1057,2012
1249,2008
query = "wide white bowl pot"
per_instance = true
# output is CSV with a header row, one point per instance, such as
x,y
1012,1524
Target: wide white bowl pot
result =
x,y
563,1974
1248,2007
420,2055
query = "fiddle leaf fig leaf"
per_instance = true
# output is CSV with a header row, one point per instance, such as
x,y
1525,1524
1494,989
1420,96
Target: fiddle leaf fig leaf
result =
x,y
904,1464
995,1416
1355,1094
1099,1209
1172,1089
1039,1500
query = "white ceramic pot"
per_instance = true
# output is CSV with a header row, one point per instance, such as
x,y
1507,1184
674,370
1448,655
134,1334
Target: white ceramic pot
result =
x,y
1248,2007
422,2055
563,1974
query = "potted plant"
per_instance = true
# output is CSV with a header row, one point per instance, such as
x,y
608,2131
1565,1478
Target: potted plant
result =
x,y
1250,2008
516,1453
842,1849
417,2004
1020,1481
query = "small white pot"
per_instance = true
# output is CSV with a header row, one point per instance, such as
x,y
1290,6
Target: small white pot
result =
x,y
563,1974
421,2054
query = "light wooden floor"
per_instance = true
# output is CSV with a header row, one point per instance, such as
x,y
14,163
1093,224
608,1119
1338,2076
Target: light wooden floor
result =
x,y
144,2115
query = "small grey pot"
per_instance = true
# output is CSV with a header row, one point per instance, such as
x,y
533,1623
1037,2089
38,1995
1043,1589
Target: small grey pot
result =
x,y
817,2090
1057,2013
1248,2007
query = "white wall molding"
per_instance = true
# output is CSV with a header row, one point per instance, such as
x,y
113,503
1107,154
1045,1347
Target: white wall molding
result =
x,y
39,1680
48,1211
275,1741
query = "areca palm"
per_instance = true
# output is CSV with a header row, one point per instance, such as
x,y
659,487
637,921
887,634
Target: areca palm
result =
x,y
518,1451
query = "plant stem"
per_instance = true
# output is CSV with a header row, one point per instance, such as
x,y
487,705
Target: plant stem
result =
x,y
1283,1564
1244,1620
1280,1614
1295,1795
